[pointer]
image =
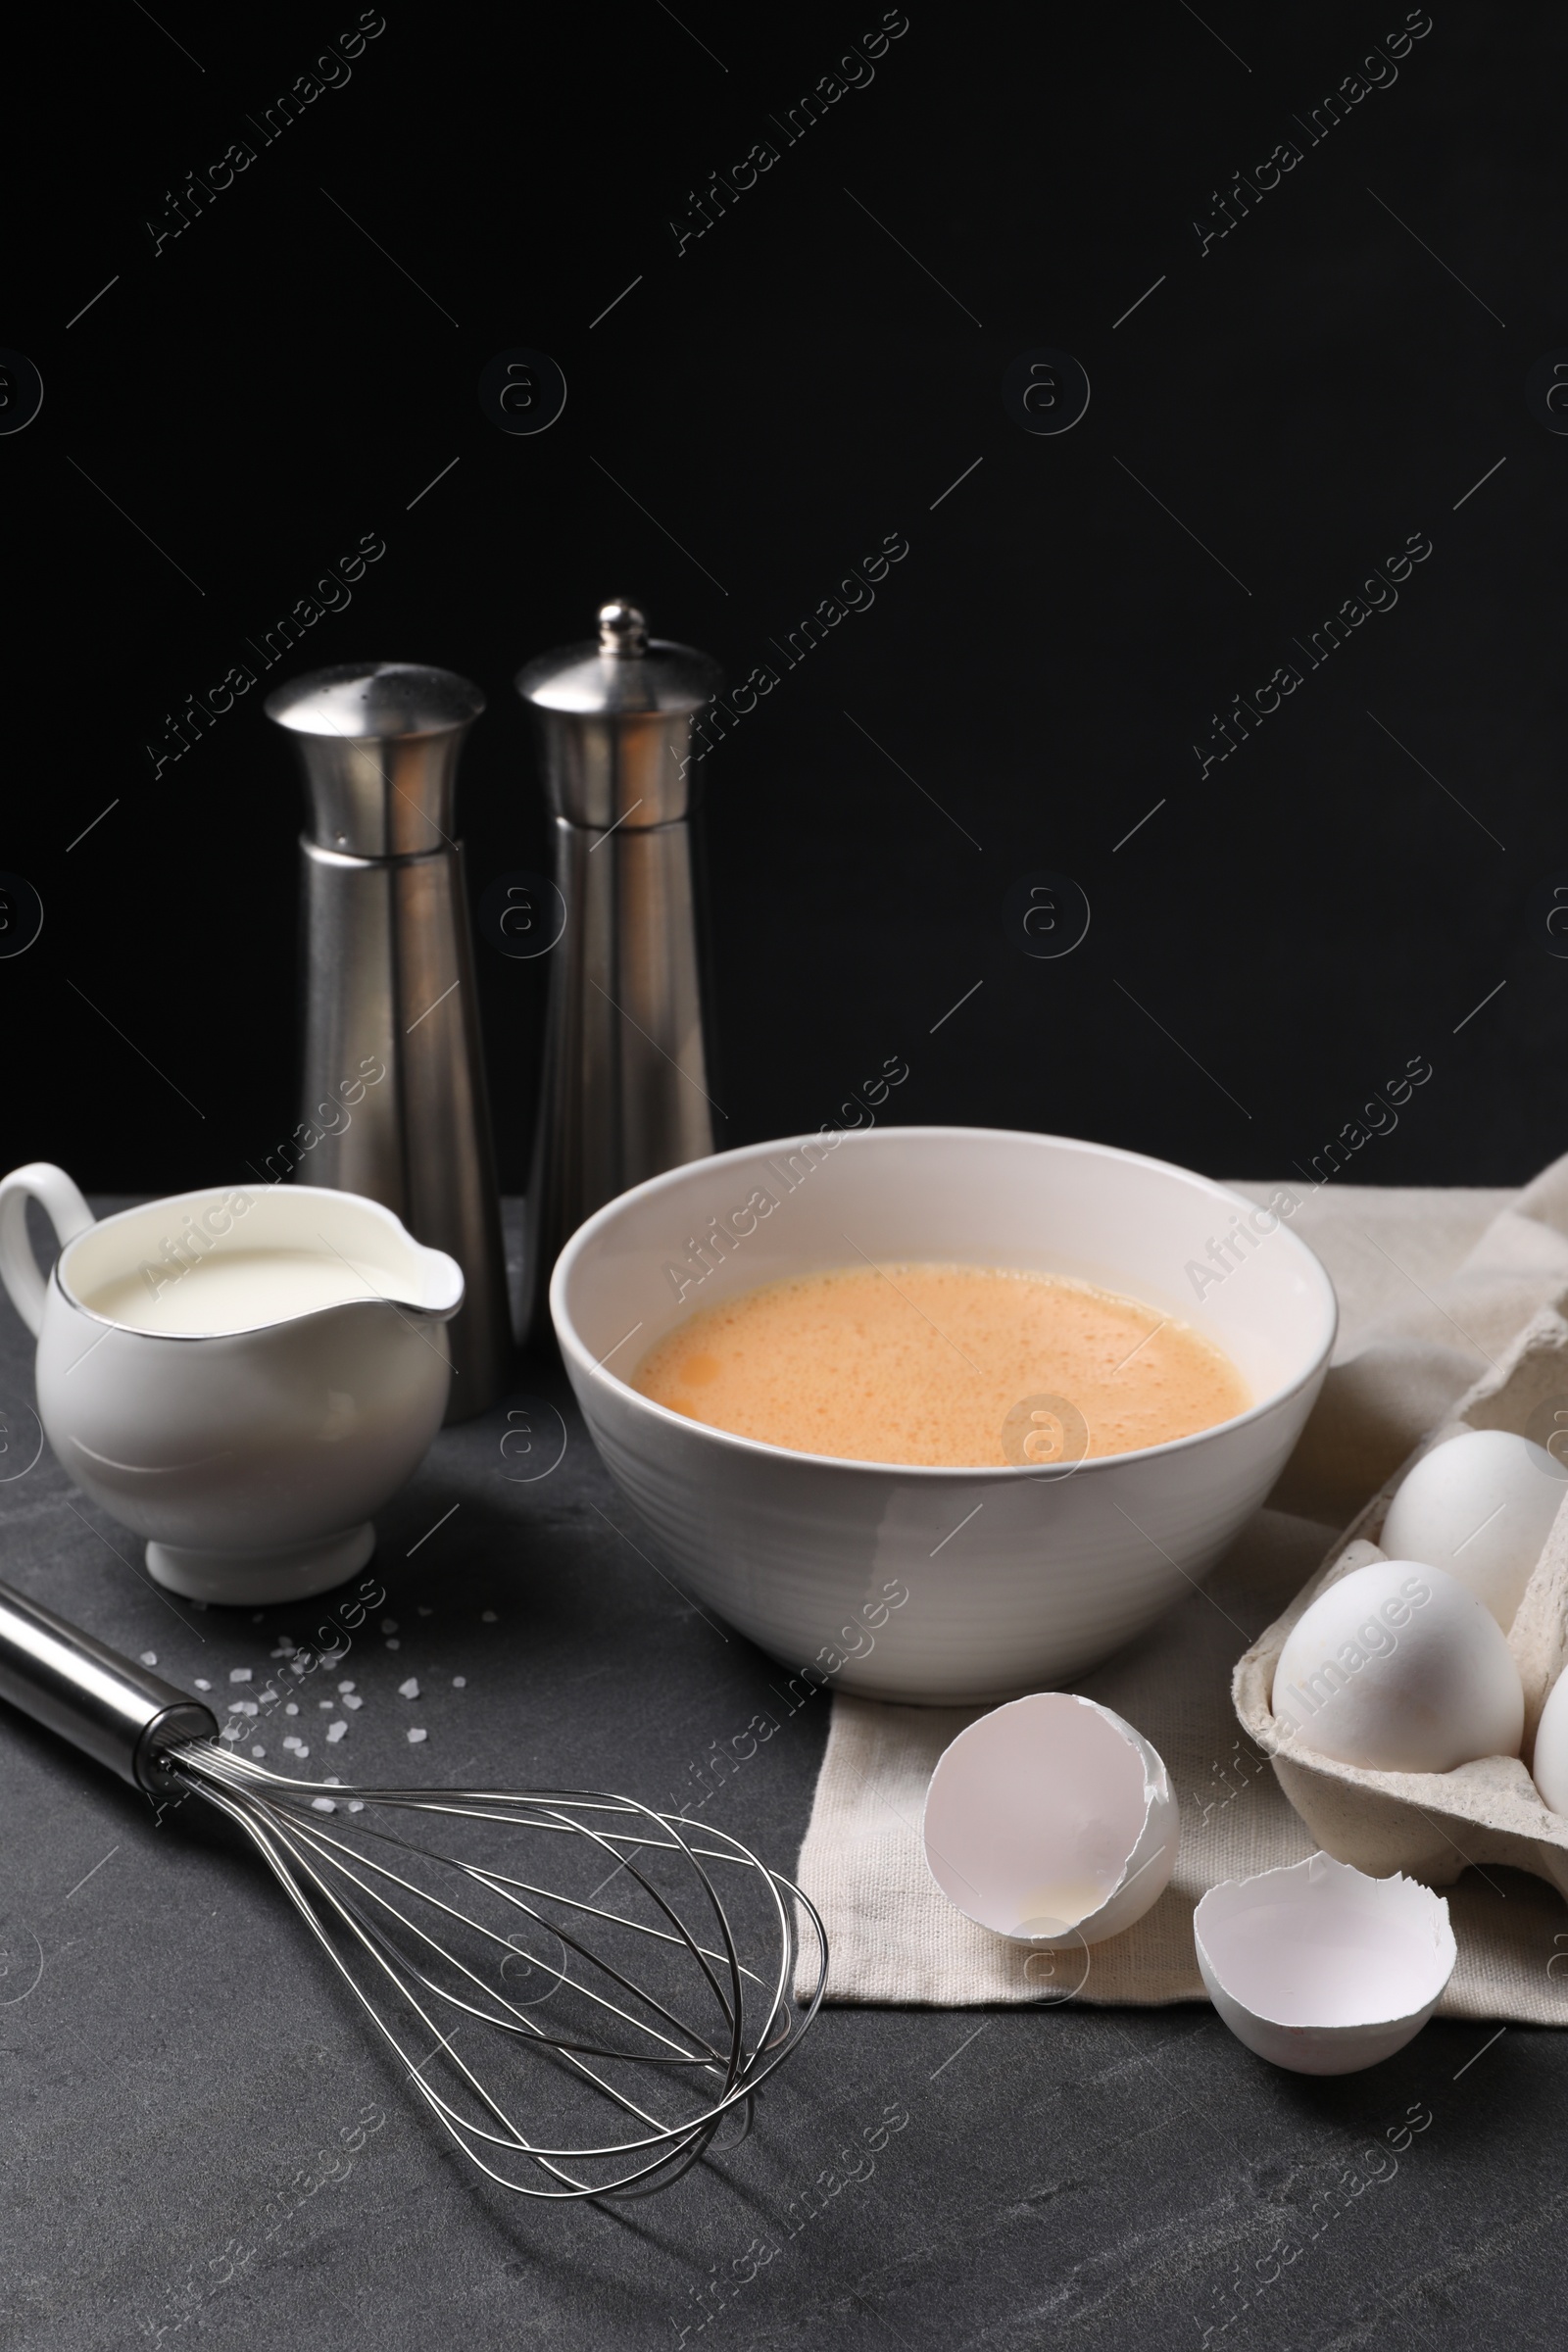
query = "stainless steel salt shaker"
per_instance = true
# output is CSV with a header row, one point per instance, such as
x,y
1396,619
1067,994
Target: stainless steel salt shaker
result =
x,y
624,1092
389,982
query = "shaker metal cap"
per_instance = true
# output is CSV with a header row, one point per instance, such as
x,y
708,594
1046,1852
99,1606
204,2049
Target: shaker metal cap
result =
x,y
624,674
382,698
379,742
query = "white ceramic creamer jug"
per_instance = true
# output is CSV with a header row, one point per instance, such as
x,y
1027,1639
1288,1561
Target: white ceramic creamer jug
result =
x,y
242,1375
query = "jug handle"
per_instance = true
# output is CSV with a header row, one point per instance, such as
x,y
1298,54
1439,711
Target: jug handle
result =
x,y
67,1212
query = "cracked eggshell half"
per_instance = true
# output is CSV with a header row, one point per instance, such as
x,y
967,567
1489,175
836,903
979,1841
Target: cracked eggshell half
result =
x,y
1320,1969
1052,1822
1399,1667
1479,1506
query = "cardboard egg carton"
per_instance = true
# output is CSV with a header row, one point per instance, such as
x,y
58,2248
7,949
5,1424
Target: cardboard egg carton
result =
x,y
1431,1825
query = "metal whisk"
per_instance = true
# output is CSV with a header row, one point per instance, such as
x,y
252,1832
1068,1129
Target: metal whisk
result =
x,y
659,1998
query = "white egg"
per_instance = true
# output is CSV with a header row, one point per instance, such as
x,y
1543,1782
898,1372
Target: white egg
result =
x,y
1400,1668
1549,1763
1480,1508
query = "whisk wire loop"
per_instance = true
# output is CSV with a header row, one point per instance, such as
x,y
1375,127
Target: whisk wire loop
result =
x,y
399,1940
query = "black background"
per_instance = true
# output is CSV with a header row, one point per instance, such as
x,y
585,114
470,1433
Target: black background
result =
x,y
1280,938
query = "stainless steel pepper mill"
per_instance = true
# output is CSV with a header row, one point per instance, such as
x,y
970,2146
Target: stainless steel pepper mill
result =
x,y
624,1091
389,981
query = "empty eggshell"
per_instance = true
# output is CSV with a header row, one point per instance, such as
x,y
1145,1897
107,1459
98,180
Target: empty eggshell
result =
x,y
1399,1667
1321,1969
1480,1508
1051,1821
1549,1762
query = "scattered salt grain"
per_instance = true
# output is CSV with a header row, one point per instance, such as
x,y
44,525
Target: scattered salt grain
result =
x,y
415,1736
239,1674
487,1616
356,1804
335,1732
460,1681
289,1708
345,1685
323,1804
425,1612
409,1688
258,1751
394,1644
349,1700
242,1706
389,1625
201,1684
149,1658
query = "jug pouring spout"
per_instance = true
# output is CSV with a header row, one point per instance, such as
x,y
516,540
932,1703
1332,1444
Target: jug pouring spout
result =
x,y
442,1285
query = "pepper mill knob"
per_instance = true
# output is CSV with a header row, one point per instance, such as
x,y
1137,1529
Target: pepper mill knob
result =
x,y
622,629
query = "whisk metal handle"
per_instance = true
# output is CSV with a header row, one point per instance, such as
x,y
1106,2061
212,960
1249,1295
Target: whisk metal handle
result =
x,y
109,1709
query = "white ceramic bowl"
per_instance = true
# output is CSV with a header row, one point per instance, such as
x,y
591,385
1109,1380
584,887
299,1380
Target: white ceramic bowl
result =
x,y
941,1587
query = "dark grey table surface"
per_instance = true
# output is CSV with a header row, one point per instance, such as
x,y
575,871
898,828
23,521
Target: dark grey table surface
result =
x,y
175,2052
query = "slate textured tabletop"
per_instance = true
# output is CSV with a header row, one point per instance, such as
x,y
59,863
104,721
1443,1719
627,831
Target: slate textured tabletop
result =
x,y
176,2056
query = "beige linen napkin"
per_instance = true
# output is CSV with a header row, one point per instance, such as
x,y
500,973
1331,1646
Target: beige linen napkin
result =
x,y
1432,1285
